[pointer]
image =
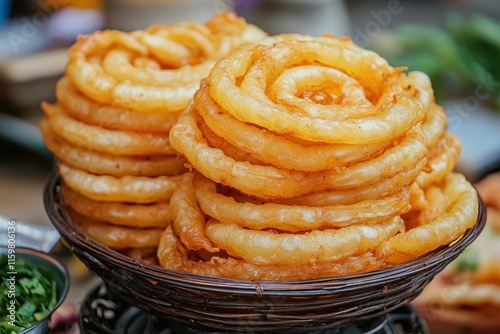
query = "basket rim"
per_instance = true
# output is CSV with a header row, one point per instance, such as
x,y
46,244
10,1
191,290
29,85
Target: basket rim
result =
x,y
55,209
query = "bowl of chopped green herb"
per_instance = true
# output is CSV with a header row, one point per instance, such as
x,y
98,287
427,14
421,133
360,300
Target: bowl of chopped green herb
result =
x,y
33,285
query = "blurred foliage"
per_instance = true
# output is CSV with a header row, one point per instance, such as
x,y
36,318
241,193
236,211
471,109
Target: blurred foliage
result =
x,y
463,57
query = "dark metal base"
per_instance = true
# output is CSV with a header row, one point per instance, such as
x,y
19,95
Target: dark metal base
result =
x,y
104,313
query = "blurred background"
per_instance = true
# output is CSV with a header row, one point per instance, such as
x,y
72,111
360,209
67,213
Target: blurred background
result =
x,y
456,42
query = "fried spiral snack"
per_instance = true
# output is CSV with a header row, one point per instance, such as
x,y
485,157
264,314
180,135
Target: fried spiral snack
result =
x,y
309,153
386,133
109,129
157,69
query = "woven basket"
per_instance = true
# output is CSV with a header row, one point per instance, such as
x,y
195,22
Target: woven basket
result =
x,y
228,305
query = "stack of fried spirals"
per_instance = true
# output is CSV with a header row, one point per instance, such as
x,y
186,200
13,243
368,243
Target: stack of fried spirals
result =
x,y
312,157
109,129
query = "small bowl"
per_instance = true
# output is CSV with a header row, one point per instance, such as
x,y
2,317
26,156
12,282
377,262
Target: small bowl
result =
x,y
59,272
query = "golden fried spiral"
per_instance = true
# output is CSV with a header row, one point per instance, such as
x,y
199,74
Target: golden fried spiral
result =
x,y
317,114
154,69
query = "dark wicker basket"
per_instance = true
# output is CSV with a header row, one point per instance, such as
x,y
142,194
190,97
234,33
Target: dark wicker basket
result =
x,y
243,306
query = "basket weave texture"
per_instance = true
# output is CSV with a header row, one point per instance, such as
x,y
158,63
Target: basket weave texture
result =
x,y
228,305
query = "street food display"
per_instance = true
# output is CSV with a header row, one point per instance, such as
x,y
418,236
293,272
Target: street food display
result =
x,y
249,177
305,152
